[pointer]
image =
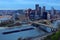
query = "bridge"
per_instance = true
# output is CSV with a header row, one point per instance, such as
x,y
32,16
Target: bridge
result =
x,y
44,25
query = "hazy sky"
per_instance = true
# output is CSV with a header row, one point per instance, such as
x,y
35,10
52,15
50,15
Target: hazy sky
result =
x,y
24,4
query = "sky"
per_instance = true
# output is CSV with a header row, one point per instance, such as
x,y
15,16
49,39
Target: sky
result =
x,y
25,4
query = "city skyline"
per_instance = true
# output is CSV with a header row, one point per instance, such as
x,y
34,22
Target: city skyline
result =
x,y
25,4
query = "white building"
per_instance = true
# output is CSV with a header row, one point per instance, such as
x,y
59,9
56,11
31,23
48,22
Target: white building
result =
x,y
48,16
5,18
52,11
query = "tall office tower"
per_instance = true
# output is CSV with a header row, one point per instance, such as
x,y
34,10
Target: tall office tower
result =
x,y
36,16
44,15
37,11
52,11
40,9
43,10
37,7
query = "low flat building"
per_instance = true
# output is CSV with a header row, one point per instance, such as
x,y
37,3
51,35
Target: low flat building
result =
x,y
5,18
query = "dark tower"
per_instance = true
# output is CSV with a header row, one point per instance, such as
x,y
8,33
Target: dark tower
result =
x,y
37,7
44,15
37,11
44,9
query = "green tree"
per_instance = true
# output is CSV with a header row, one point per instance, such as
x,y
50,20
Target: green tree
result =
x,y
56,36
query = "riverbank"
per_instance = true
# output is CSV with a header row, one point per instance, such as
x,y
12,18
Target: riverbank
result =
x,y
55,36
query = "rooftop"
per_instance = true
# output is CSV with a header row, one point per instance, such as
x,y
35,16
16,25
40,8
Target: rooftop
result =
x,y
6,17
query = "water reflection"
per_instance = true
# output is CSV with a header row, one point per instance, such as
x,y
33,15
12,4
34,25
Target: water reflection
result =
x,y
22,34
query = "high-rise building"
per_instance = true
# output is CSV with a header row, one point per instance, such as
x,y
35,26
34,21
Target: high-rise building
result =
x,y
36,15
40,9
52,11
44,15
32,15
37,7
44,9
37,11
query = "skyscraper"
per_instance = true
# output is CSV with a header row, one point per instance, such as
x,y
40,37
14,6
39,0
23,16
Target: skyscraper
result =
x,y
52,11
43,10
37,11
40,9
44,15
37,7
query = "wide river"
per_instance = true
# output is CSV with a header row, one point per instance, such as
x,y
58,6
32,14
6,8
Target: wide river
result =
x,y
24,31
